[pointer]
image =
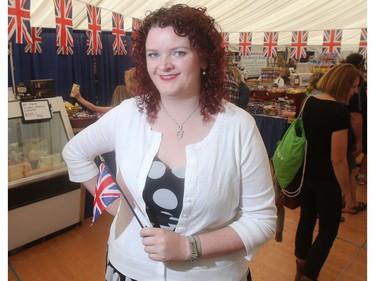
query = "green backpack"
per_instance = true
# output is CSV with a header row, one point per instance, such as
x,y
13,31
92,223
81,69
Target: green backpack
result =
x,y
290,154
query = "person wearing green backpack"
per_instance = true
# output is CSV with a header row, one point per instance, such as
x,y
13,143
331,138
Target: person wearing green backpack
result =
x,y
326,180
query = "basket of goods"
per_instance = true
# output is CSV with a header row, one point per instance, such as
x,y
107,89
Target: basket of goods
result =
x,y
270,109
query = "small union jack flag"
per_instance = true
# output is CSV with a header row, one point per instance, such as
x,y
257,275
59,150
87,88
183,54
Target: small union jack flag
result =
x,y
106,191
363,43
119,43
19,20
270,44
332,41
64,27
34,47
245,39
299,44
94,30
225,40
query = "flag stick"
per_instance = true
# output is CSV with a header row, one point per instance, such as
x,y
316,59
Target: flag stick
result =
x,y
122,192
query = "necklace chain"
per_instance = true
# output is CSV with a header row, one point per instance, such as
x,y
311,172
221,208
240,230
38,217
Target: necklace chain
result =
x,y
180,127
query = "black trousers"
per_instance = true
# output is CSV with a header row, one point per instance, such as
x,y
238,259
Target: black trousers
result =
x,y
321,201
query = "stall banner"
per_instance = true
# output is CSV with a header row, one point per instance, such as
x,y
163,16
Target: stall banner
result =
x,y
118,30
299,44
94,43
225,40
245,39
64,27
332,41
34,47
363,43
270,44
19,20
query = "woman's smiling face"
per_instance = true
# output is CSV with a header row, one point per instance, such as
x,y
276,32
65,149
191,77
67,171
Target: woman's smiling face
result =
x,y
174,67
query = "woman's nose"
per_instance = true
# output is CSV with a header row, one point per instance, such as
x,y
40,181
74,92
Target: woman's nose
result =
x,y
166,65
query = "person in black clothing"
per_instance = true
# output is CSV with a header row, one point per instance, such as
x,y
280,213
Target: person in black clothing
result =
x,y
358,108
326,180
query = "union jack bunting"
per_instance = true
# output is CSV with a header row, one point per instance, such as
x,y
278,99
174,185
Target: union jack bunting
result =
x,y
64,27
270,44
363,42
93,32
225,40
106,191
245,43
119,43
19,20
136,24
35,47
299,44
332,41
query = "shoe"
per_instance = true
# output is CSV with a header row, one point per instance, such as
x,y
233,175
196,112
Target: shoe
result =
x,y
359,208
360,179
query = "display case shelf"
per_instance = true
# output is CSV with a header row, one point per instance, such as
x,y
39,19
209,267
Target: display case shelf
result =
x,y
41,198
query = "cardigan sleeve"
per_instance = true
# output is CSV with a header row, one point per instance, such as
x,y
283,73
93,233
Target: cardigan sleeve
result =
x,y
79,153
257,219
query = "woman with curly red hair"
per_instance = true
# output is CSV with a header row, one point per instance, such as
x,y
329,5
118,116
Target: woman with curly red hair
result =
x,y
192,165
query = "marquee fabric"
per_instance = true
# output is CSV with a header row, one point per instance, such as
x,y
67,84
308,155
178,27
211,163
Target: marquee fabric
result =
x,y
283,16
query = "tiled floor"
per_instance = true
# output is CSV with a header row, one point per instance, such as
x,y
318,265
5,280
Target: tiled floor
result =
x,y
80,253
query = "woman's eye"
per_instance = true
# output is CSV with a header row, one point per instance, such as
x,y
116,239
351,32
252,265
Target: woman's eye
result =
x,y
179,53
152,55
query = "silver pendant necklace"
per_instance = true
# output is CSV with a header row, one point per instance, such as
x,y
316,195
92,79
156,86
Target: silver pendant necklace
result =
x,y
180,128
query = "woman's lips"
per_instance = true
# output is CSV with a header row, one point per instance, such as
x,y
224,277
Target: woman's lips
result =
x,y
168,77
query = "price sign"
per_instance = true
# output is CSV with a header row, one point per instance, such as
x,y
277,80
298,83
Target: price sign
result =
x,y
254,63
35,110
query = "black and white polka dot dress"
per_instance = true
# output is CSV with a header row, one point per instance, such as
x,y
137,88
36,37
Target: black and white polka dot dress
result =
x,y
163,194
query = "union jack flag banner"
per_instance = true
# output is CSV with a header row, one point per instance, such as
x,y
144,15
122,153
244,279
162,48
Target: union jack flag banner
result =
x,y
332,41
299,44
35,47
94,30
363,43
225,40
245,43
119,43
270,44
136,24
64,27
19,20
106,191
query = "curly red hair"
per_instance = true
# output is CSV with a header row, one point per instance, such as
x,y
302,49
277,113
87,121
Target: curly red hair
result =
x,y
204,37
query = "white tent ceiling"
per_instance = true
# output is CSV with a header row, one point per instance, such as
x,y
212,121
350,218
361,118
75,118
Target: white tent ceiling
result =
x,y
234,16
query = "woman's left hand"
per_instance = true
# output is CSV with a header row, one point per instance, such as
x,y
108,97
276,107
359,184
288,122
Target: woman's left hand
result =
x,y
165,245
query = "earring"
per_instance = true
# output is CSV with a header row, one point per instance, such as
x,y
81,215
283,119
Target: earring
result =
x,y
204,72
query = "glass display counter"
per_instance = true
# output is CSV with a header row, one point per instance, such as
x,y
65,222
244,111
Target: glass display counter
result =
x,y
41,198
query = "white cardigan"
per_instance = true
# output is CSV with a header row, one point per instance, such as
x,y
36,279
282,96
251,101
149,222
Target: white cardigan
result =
x,y
227,182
